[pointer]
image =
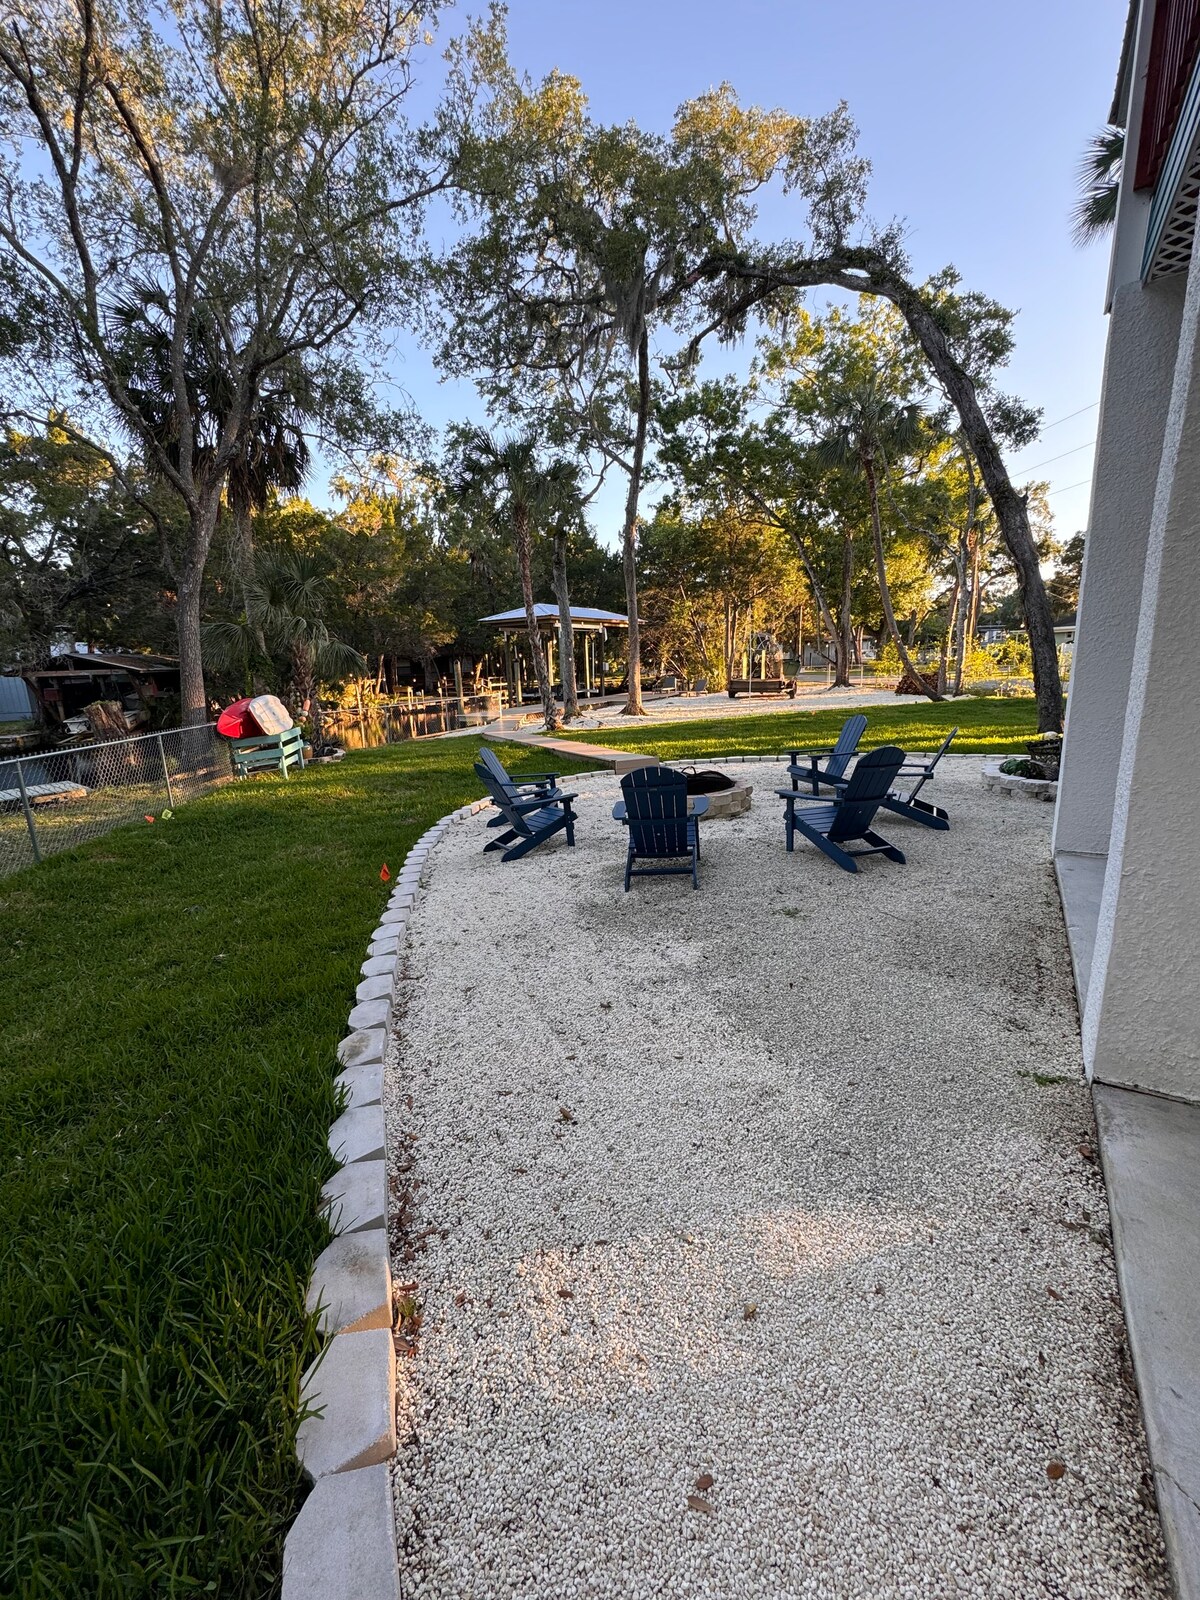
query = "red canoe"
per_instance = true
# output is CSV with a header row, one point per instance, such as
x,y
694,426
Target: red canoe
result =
x,y
235,722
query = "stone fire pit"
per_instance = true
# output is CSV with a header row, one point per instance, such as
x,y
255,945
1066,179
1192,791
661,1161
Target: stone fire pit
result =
x,y
727,797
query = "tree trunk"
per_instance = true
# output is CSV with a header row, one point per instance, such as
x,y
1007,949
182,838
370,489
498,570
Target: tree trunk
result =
x,y
524,563
943,679
973,614
843,643
202,522
308,692
1010,508
961,613
193,708
885,593
633,706
863,270
566,633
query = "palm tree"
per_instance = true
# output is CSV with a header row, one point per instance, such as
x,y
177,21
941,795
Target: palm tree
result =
x,y
1099,180
273,458
530,493
869,426
286,599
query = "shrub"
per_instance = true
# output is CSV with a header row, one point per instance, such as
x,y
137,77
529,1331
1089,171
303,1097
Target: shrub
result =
x,y
1019,767
1012,655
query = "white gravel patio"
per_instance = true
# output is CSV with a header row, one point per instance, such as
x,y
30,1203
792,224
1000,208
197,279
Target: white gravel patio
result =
x,y
757,1233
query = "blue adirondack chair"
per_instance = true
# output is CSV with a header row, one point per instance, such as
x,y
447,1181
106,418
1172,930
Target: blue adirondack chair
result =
x,y
846,819
530,820
835,759
527,786
910,805
661,829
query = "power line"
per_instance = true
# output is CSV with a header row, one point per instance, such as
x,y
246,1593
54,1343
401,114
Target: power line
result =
x,y
1067,486
1069,415
1021,471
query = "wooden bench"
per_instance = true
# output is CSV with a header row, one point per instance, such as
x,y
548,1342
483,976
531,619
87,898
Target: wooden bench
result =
x,y
268,752
785,686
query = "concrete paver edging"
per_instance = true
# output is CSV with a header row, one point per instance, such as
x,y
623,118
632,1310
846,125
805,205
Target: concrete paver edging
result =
x,y
342,1545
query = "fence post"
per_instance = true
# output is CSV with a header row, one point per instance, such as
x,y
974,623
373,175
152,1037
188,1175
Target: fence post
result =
x,y
166,770
28,810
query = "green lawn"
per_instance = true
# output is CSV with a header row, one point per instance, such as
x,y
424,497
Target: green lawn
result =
x,y
171,998
984,725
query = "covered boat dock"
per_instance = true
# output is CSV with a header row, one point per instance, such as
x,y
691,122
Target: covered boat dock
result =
x,y
590,628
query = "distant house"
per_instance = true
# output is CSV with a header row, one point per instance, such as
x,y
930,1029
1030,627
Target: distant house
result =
x,y
78,676
1064,633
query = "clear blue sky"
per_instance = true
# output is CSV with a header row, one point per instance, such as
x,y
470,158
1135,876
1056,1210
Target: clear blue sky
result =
x,y
974,116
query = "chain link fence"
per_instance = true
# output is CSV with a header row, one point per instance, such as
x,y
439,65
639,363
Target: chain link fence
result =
x,y
56,799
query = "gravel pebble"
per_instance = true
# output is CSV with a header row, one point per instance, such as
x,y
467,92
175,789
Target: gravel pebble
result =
x,y
757,1234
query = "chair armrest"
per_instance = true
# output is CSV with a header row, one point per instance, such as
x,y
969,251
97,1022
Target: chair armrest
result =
x,y
821,750
526,804
532,777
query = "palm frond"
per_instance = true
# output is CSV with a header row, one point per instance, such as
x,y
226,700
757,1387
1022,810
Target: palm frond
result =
x,y
1099,181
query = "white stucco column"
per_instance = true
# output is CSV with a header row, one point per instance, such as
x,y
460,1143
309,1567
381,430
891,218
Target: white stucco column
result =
x,y
1141,1024
1138,369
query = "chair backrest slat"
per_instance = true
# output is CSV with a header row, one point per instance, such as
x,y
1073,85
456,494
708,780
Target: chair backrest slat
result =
x,y
859,801
943,747
502,794
491,761
847,743
656,802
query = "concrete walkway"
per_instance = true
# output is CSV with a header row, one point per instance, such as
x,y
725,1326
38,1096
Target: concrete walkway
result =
x,y
621,761
758,1234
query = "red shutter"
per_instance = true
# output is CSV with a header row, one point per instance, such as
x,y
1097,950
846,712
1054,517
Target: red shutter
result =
x,y
1174,46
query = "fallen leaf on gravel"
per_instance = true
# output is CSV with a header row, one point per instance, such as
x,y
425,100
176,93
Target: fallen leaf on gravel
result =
x,y
749,1314
565,1294
705,1480
565,1114
878,1288
697,1502
606,1005
460,1299
1086,1151
1054,1294
1055,1470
